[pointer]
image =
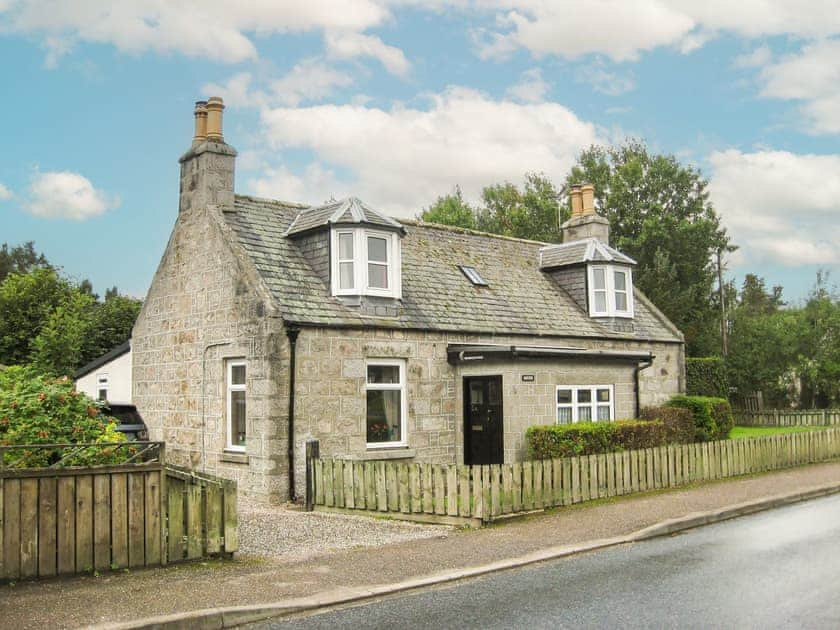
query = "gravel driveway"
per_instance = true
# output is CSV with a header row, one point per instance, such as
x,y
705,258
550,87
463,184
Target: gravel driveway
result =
x,y
290,534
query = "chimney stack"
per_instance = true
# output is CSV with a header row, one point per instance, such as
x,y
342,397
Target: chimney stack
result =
x,y
585,222
200,122
214,106
207,168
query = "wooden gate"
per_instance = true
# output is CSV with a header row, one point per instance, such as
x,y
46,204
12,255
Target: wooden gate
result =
x,y
71,519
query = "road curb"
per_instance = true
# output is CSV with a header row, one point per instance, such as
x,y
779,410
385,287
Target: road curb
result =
x,y
228,617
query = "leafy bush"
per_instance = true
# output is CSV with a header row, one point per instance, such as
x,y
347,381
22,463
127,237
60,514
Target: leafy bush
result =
x,y
589,438
679,423
712,416
36,409
706,376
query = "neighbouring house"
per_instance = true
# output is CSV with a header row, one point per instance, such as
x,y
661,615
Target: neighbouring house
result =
x,y
270,322
108,378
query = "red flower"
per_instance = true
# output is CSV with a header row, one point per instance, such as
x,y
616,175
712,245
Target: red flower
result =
x,y
14,404
92,411
42,397
43,434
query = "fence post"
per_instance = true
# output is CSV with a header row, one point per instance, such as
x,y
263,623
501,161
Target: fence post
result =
x,y
313,452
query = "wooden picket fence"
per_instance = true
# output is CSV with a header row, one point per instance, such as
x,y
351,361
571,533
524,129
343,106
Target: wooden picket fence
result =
x,y
788,418
66,520
452,493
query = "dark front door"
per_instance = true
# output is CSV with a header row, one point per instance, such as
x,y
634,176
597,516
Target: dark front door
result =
x,y
483,420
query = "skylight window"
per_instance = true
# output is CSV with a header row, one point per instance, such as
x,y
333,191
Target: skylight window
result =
x,y
473,275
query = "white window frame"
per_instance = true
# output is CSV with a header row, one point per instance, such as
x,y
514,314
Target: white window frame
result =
x,y
360,263
354,261
402,388
229,389
609,279
102,385
593,403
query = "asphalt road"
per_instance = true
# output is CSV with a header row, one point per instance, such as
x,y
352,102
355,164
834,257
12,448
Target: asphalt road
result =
x,y
775,569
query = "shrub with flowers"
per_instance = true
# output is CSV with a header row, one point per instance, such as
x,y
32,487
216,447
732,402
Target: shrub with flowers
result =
x,y
37,409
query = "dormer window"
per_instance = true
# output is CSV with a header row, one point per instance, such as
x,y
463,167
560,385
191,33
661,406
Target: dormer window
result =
x,y
610,291
365,262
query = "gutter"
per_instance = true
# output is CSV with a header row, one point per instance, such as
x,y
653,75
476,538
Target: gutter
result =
x,y
292,333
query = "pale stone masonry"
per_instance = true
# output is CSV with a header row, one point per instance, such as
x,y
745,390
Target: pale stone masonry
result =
x,y
235,284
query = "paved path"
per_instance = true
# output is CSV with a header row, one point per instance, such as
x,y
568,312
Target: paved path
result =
x,y
777,569
79,601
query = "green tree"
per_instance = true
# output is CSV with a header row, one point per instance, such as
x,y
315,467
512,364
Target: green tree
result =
x,y
21,259
532,212
819,347
26,302
112,321
660,215
60,345
450,210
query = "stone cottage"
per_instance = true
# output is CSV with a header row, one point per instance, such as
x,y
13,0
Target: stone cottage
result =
x,y
270,322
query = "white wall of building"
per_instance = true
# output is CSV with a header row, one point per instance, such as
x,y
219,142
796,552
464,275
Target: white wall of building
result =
x,y
114,376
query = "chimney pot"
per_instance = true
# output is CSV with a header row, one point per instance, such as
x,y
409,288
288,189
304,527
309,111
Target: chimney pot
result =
x,y
588,198
577,201
214,106
200,122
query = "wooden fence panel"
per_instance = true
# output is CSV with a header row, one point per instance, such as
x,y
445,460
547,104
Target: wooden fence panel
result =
x,y
487,492
119,520
47,542
66,525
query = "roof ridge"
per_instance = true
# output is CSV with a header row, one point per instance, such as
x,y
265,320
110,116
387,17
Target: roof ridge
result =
x,y
461,230
289,204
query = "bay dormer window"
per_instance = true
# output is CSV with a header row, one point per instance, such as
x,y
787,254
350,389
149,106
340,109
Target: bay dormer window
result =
x,y
365,262
610,291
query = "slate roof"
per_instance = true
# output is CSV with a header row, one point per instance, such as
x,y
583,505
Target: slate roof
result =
x,y
519,298
583,251
346,211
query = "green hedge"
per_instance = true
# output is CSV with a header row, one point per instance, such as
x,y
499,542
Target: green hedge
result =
x,y
589,438
706,376
713,418
679,423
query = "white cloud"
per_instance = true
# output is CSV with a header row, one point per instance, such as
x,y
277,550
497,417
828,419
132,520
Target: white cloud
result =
x,y
399,159
531,88
605,81
624,30
347,45
813,76
779,206
310,80
5,193
66,195
756,58
620,30
215,29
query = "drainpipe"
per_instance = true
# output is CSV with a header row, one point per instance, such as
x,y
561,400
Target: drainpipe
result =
x,y
639,368
292,333
204,398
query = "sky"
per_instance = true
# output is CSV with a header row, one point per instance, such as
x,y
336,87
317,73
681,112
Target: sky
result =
x,y
400,101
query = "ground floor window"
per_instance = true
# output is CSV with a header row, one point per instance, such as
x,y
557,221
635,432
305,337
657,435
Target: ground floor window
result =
x,y
584,403
236,412
386,404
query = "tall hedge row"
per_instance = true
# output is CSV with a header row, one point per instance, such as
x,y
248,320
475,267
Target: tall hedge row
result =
x,y
706,376
590,438
713,419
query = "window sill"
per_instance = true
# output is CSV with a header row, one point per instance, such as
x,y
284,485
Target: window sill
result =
x,y
400,452
234,457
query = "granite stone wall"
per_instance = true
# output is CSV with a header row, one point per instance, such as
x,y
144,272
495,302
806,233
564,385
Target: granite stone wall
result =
x,y
330,394
205,307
